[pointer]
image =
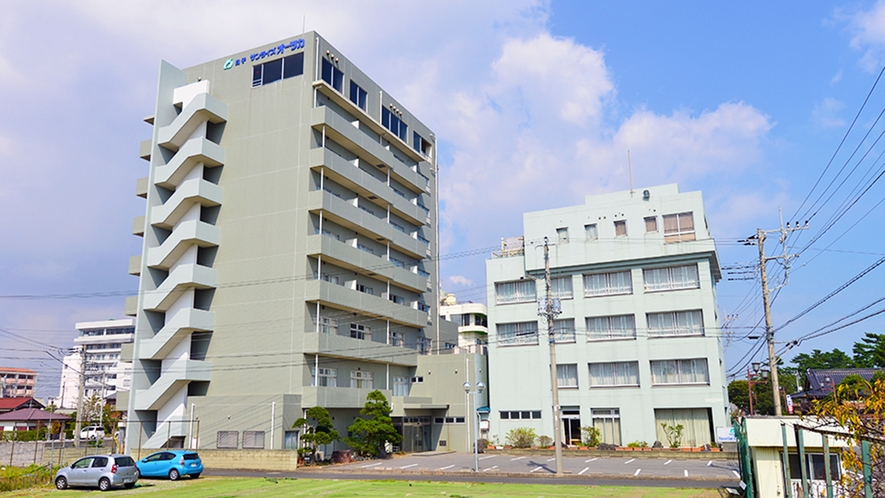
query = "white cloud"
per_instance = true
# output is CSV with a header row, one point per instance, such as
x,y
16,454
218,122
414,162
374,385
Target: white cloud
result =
x,y
460,280
826,113
868,27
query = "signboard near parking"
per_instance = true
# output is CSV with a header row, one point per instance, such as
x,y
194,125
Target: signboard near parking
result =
x,y
725,435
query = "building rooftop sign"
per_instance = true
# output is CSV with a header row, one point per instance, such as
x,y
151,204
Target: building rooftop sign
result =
x,y
278,50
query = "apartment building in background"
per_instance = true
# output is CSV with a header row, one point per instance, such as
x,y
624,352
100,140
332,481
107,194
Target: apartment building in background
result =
x,y
638,342
17,382
472,322
98,345
290,234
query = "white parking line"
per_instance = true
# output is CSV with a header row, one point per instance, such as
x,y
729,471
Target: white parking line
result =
x,y
686,472
487,457
630,460
585,470
637,472
372,465
709,463
551,459
446,467
490,468
736,474
667,462
407,466
536,468
517,458
588,461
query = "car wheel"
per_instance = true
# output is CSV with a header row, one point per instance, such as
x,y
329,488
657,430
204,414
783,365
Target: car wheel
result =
x,y
129,485
104,484
195,476
61,482
174,475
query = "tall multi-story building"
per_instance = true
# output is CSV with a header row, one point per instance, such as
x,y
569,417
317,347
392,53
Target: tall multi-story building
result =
x,y
17,382
638,343
289,234
472,322
98,346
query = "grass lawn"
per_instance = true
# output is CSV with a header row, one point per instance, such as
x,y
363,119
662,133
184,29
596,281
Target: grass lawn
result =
x,y
229,487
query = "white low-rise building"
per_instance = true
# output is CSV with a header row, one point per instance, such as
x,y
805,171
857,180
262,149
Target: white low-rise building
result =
x,y
105,375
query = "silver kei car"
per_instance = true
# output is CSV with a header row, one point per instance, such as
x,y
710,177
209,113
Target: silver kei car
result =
x,y
101,471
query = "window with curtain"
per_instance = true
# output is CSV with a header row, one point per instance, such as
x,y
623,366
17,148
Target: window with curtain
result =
x,y
327,325
401,386
564,330
590,232
651,224
328,377
675,323
671,278
621,228
611,327
562,235
608,421
518,291
679,227
693,371
362,380
510,334
567,376
561,287
695,422
606,284
621,373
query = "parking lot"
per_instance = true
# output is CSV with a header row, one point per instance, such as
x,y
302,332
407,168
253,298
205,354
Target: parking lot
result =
x,y
629,465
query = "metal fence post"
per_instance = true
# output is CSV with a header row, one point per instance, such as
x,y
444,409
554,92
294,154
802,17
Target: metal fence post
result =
x,y
829,478
867,469
803,465
786,462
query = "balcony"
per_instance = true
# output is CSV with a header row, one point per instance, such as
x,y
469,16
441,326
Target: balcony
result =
x,y
130,306
202,108
179,280
187,234
351,258
179,327
135,265
196,150
348,348
141,187
350,176
178,375
350,216
138,226
188,193
144,149
337,397
362,303
342,131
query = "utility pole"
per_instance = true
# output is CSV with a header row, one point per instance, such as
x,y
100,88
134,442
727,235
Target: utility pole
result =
x,y
766,302
80,395
550,310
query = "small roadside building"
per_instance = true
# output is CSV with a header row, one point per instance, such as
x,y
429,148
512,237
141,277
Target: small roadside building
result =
x,y
29,419
820,383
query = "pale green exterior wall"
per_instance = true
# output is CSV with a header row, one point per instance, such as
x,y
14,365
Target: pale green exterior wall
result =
x,y
520,374
237,353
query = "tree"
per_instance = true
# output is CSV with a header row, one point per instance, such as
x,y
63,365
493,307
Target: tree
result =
x,y
818,360
322,431
369,436
870,351
763,401
859,408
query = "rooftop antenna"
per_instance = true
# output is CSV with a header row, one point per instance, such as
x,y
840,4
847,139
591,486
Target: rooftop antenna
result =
x,y
630,169
303,22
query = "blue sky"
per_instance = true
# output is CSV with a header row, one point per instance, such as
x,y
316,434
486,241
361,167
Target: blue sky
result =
x,y
535,105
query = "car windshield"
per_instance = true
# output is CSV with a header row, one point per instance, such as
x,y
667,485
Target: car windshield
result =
x,y
191,456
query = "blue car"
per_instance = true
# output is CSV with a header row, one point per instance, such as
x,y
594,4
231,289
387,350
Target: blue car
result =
x,y
171,463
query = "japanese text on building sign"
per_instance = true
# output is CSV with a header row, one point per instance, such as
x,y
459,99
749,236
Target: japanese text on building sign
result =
x,y
278,50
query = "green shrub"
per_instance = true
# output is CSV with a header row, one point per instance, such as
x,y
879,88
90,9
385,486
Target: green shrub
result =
x,y
545,441
673,433
521,437
591,436
637,444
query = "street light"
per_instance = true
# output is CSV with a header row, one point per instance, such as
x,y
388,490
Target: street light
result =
x,y
759,376
479,387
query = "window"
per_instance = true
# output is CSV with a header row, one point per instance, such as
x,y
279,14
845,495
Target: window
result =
x,y
328,377
418,380
564,330
608,421
357,95
621,228
561,287
365,289
448,420
814,469
567,376
562,235
590,232
517,333
396,339
332,279
401,386
327,325
424,344
675,323
611,327
679,372
606,284
360,331
522,414
519,291
671,278
396,299
332,75
362,380
393,123
275,70
679,227
420,145
651,224
623,373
